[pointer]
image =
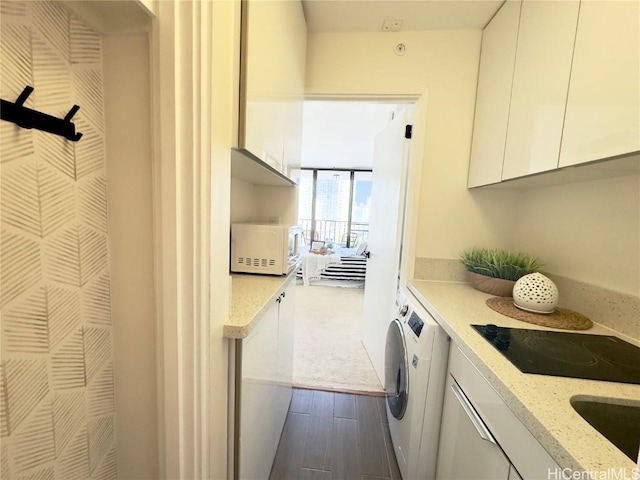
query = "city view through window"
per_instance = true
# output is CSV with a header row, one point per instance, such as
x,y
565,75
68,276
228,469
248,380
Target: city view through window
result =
x,y
337,212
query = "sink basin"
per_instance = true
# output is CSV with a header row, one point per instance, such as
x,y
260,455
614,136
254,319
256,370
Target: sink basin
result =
x,y
619,423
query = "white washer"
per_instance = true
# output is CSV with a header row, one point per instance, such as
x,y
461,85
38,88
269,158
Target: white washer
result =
x,y
415,372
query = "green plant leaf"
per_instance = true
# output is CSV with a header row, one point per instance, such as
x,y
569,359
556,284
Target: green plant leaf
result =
x,y
498,263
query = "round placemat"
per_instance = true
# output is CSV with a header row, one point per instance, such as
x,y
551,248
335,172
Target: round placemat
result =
x,y
560,318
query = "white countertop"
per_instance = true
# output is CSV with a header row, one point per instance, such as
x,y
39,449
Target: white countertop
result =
x,y
251,296
540,402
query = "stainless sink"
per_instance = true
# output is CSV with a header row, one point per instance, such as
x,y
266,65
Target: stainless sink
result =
x,y
619,423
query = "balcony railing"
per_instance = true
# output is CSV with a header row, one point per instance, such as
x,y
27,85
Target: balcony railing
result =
x,y
334,231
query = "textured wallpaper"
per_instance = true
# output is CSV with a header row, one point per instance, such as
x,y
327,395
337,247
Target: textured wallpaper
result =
x,y
56,369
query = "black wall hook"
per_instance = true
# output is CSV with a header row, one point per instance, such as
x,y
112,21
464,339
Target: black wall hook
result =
x,y
27,118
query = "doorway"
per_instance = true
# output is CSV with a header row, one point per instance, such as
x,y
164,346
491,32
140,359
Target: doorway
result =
x,y
336,192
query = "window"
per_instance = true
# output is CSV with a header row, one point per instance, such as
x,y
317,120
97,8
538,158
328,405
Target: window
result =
x,y
333,205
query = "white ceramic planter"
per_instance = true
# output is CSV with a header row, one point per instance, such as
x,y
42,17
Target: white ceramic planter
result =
x,y
535,293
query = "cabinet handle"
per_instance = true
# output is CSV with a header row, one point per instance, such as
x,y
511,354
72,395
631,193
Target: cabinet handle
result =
x,y
283,294
482,429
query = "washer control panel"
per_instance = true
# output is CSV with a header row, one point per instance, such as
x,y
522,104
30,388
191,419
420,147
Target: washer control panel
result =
x,y
416,324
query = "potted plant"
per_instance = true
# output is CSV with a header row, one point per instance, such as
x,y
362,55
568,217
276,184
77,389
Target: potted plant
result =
x,y
495,271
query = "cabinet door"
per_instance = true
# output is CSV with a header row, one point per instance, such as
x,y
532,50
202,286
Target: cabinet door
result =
x,y
273,80
258,397
494,93
266,45
540,84
286,328
603,107
463,453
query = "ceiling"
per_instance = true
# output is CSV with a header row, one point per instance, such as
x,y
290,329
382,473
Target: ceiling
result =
x,y
416,15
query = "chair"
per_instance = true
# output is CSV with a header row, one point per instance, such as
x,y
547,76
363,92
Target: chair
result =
x,y
317,245
306,235
352,239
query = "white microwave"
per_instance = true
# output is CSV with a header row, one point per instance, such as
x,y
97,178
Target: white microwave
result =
x,y
264,248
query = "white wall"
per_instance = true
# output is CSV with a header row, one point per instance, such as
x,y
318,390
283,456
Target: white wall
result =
x,y
57,409
128,141
341,134
444,65
588,231
277,204
265,204
243,201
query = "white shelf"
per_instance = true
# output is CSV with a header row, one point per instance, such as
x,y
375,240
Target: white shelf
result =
x,y
246,166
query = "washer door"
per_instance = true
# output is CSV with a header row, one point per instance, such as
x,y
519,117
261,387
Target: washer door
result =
x,y
396,371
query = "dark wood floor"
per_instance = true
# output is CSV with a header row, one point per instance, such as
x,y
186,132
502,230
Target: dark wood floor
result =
x,y
335,436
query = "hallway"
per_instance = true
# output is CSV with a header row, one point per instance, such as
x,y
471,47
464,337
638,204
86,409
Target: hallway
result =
x,y
335,436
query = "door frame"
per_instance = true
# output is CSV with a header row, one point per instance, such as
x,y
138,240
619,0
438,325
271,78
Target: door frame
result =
x,y
414,172
194,128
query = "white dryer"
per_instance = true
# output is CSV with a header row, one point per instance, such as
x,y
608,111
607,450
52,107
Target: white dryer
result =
x,y
415,372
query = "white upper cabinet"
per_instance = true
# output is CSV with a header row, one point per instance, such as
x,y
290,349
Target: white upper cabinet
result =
x,y
603,108
273,64
573,96
540,84
494,94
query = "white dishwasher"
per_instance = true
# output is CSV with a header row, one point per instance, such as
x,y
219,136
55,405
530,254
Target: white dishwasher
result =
x,y
480,437
467,448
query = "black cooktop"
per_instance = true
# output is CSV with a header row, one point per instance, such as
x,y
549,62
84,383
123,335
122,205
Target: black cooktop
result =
x,y
561,354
